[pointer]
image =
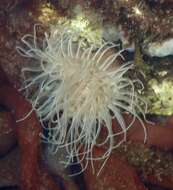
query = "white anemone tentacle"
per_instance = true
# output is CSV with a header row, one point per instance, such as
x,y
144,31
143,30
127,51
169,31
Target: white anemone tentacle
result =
x,y
78,91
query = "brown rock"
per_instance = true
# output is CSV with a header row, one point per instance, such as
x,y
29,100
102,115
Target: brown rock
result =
x,y
157,135
9,169
115,175
7,132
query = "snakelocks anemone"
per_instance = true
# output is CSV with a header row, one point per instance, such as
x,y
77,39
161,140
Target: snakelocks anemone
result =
x,y
77,91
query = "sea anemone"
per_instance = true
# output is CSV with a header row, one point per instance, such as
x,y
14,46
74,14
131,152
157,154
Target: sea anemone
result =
x,y
78,91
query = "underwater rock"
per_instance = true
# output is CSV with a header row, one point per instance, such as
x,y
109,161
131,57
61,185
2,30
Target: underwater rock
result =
x,y
160,49
157,135
160,94
28,129
165,181
7,133
56,167
9,169
115,175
